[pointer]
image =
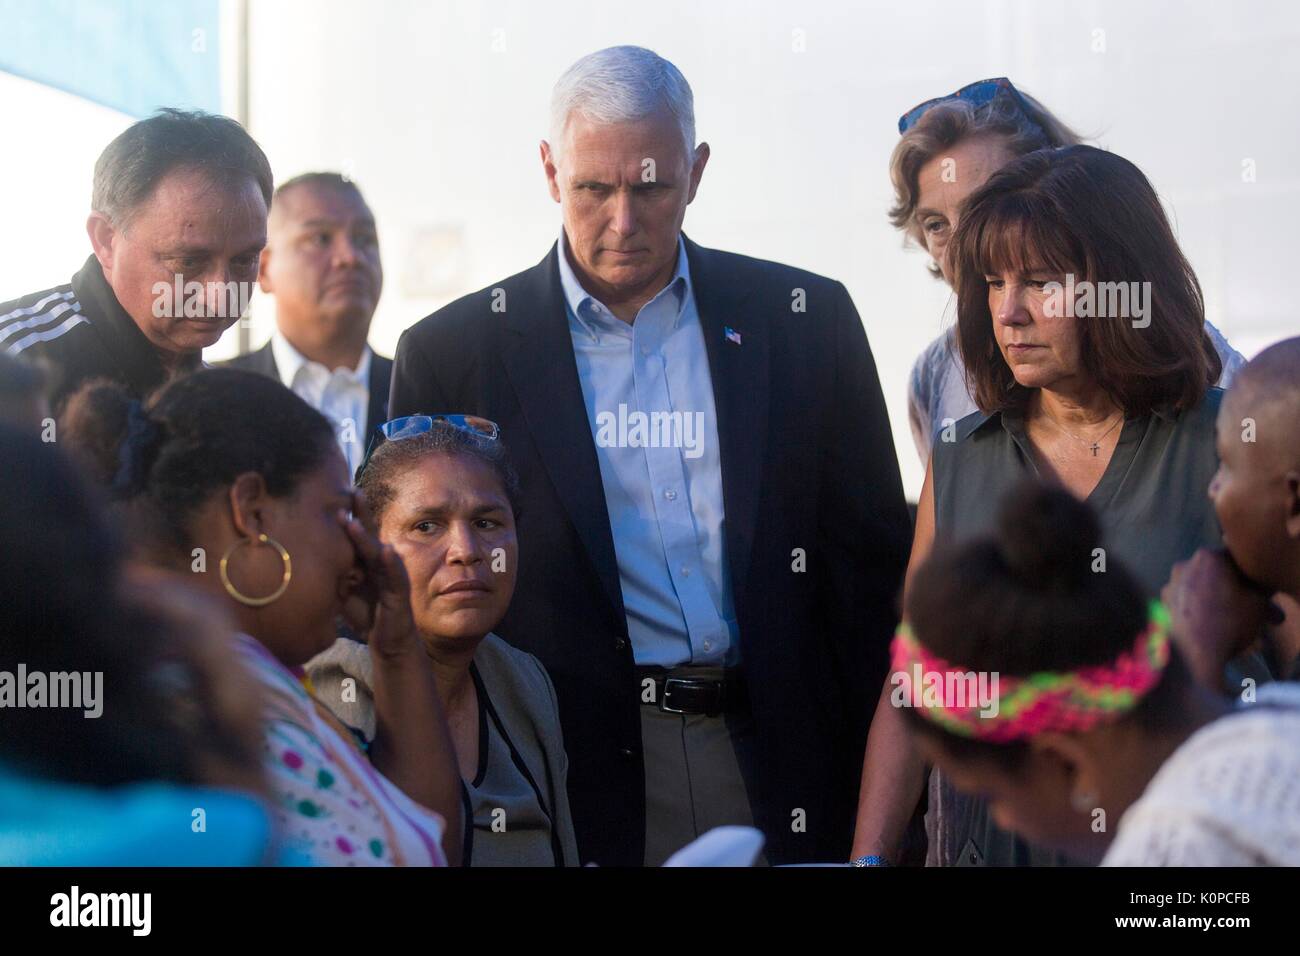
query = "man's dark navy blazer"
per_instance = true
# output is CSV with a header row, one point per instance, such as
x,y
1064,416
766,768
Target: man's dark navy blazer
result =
x,y
816,530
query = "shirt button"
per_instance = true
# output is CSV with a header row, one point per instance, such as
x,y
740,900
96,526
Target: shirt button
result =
x,y
708,645
686,572
645,350
670,494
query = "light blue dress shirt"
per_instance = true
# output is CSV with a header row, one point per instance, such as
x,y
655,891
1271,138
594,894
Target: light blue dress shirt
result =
x,y
649,397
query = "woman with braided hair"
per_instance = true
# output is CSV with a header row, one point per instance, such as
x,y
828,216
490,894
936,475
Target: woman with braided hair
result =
x,y
1098,743
231,480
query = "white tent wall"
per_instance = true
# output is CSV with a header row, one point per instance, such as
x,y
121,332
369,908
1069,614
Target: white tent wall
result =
x,y
436,109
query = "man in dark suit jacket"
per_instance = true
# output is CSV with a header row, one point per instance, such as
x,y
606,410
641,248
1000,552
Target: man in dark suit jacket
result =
x,y
777,479
322,264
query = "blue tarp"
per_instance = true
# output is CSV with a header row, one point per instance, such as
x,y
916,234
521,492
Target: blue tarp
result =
x,y
130,55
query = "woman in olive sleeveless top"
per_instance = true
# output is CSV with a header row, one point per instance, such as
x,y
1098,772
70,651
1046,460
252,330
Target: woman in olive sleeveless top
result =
x,y
1153,509
1082,330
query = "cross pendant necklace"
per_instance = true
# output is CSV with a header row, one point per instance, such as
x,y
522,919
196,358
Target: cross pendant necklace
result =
x,y
1095,445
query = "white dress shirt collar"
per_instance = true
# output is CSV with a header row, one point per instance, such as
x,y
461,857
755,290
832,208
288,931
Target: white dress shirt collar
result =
x,y
289,361
584,305
341,395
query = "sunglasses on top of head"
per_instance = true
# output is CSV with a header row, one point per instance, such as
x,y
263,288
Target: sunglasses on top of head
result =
x,y
408,426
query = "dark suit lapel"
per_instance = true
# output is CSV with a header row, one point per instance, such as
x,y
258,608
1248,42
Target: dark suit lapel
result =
x,y
263,362
381,376
740,372
259,362
538,356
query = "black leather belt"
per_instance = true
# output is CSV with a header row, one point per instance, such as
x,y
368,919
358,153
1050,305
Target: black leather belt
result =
x,y
711,691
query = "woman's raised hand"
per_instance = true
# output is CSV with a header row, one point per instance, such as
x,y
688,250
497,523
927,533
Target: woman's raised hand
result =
x,y
379,607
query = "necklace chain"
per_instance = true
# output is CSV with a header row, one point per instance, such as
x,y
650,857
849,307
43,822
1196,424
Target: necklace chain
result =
x,y
1095,443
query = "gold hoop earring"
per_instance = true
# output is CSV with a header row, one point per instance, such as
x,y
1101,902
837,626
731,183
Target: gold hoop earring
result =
x,y
243,598
1083,802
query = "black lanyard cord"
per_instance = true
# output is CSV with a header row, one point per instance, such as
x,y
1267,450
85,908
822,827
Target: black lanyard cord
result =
x,y
486,702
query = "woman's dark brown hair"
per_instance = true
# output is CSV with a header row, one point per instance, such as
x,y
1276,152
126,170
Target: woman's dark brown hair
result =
x,y
393,460
161,461
1090,213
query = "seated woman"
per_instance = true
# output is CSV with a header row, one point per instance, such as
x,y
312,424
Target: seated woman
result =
x,y
235,481
1099,742
1082,333
441,492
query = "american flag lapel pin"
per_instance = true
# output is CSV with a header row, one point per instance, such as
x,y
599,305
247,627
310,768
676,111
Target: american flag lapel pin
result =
x,y
731,335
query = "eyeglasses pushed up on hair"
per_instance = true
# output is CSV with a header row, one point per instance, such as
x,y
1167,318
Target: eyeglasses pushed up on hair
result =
x,y
976,94
408,426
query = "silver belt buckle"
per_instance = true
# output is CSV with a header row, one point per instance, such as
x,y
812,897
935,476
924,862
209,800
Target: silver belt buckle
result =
x,y
663,700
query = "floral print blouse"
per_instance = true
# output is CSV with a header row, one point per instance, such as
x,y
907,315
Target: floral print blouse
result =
x,y
331,805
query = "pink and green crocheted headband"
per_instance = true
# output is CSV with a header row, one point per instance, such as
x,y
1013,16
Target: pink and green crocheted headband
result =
x,y
1023,707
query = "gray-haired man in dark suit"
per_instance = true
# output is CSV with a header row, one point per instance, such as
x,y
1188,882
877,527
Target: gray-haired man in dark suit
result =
x,y
712,527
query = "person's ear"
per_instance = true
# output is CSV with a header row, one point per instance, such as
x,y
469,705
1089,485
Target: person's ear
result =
x,y
697,169
249,503
102,232
263,271
1071,764
1291,481
549,167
